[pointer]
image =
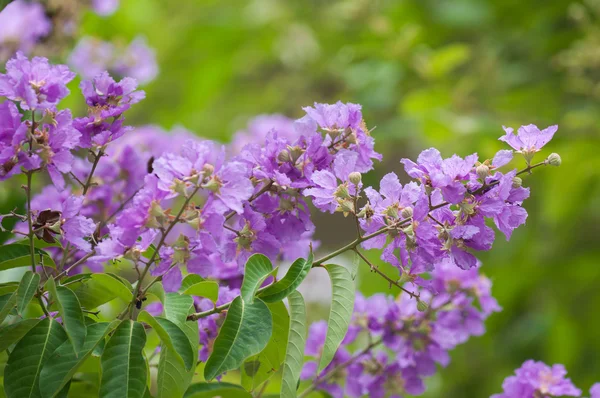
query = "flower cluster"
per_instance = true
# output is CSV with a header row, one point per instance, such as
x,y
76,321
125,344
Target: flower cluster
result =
x,y
22,25
92,56
536,379
419,337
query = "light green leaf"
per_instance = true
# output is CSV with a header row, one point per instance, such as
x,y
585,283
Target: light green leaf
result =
x,y
123,364
69,309
21,376
8,287
259,368
12,333
100,289
15,255
209,390
7,303
207,289
171,336
157,291
258,268
294,355
26,290
64,362
245,332
172,377
340,313
189,280
292,279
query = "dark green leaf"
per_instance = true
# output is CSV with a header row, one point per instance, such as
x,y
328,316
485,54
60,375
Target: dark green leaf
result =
x,y
171,336
258,268
124,368
26,290
70,311
8,287
21,376
13,333
16,255
209,390
259,368
7,303
340,313
294,355
292,279
64,362
100,289
245,332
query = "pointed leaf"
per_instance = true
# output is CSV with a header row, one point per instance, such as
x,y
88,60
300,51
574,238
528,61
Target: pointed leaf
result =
x,y
100,289
70,311
259,368
63,363
294,355
292,279
245,332
340,313
26,290
15,255
21,376
222,389
172,377
189,280
8,287
258,268
7,303
123,364
172,337
11,334
207,289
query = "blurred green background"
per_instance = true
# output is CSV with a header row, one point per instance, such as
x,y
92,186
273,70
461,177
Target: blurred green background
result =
x,y
444,73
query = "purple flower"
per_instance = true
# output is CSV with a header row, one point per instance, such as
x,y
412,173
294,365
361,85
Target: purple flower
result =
x,y
91,57
259,128
529,139
595,391
11,131
22,23
36,84
536,378
105,7
138,60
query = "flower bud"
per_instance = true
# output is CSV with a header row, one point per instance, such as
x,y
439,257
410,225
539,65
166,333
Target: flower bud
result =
x,y
355,177
295,152
482,171
517,182
407,212
421,306
345,206
554,159
179,187
208,169
284,156
212,185
342,192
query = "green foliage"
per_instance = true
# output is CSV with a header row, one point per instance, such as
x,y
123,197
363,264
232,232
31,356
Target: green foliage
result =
x,y
258,268
70,311
7,303
294,356
99,289
10,334
207,289
32,352
17,255
340,313
222,389
292,279
26,290
245,332
64,362
259,368
124,368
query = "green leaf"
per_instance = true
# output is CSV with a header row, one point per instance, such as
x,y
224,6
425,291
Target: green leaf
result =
x,y
7,303
258,268
259,368
157,291
64,362
292,279
245,332
123,364
209,390
294,355
100,289
189,280
26,290
340,313
13,333
21,376
8,287
16,255
69,309
171,336
207,289
172,377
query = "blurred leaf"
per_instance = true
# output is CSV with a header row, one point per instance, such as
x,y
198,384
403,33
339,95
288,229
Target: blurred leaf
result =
x,y
10,334
7,303
222,389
